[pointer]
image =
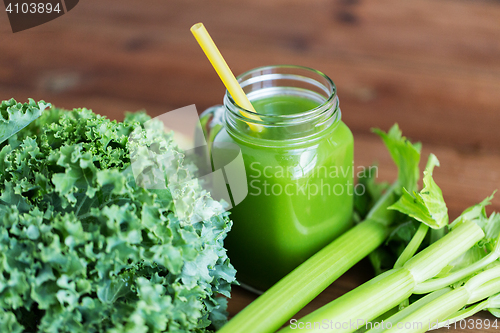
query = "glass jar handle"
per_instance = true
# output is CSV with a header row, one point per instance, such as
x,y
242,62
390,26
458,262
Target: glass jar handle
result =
x,y
211,123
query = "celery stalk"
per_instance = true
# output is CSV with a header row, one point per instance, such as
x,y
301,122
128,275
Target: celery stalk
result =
x,y
434,284
437,312
379,327
430,310
490,304
412,247
464,313
428,316
391,288
431,260
354,309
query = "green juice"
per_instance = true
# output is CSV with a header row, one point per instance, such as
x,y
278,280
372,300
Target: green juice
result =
x,y
299,198
283,105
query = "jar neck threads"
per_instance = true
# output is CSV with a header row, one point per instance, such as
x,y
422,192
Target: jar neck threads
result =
x,y
284,80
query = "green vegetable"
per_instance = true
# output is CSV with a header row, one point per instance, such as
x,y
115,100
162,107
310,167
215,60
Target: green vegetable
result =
x,y
407,157
471,278
394,286
435,311
272,309
480,256
428,207
83,248
492,304
16,116
447,268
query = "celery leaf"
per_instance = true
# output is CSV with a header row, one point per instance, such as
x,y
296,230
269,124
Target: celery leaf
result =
x,y
426,206
406,156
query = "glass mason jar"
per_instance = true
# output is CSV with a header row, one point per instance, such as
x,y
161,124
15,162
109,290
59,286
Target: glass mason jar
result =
x,y
298,157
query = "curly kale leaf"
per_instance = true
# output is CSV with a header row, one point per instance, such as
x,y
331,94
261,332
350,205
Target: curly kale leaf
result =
x,y
16,116
83,248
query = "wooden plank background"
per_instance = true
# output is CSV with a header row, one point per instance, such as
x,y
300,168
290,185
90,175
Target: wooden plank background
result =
x,y
433,66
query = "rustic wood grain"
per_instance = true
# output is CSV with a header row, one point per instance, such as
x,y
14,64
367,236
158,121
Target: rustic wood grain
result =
x,y
421,63
433,66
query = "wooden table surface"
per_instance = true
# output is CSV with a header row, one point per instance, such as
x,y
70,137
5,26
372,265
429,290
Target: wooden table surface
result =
x,y
433,66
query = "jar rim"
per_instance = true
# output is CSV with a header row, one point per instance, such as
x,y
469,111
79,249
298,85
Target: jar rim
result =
x,y
251,116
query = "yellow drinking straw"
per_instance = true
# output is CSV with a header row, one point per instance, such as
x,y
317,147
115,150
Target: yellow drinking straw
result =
x,y
221,67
